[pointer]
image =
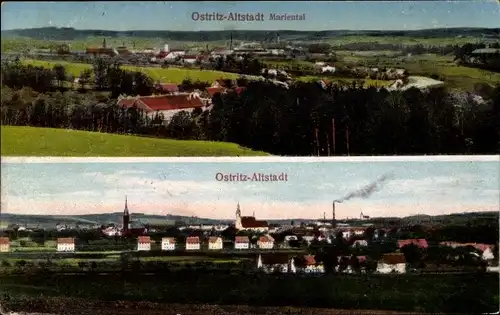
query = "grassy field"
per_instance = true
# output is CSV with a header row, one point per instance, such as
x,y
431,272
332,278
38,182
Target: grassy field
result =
x,y
171,75
468,293
30,141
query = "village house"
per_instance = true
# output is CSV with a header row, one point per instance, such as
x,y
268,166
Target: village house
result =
x,y
265,242
168,243
241,242
215,243
249,223
4,244
193,243
65,244
270,263
308,264
144,243
485,249
392,263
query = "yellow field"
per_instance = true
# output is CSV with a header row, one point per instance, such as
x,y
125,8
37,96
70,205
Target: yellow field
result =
x,y
171,75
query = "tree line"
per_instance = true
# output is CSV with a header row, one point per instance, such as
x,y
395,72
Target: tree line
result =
x,y
307,118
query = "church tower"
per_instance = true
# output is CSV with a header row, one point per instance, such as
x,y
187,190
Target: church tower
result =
x,y
126,217
237,222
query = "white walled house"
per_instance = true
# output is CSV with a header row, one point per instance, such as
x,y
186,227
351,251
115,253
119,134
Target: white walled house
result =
x,y
193,243
265,242
241,242
271,263
65,244
215,243
168,243
392,263
143,243
4,244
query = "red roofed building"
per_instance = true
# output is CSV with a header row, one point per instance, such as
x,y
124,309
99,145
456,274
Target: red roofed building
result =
x,y
241,242
65,244
265,242
165,105
392,263
422,243
308,264
168,243
144,243
249,223
215,243
4,244
193,243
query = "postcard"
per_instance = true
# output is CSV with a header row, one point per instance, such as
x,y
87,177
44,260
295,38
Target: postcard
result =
x,y
228,231
219,78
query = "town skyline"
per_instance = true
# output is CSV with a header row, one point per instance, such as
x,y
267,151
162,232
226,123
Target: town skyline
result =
x,y
191,189
359,15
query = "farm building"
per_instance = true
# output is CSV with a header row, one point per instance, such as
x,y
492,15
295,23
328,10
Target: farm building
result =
x,y
65,244
162,108
144,243
4,244
193,243
215,243
168,243
392,263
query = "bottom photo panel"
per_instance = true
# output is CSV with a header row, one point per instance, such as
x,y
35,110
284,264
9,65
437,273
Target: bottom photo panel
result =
x,y
245,236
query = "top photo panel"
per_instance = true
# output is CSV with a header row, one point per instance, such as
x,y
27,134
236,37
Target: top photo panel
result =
x,y
201,78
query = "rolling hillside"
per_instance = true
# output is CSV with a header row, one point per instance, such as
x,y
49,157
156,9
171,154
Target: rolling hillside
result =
x,y
31,141
61,33
49,221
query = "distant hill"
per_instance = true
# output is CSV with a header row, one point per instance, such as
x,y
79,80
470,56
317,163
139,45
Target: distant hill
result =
x,y
49,221
66,34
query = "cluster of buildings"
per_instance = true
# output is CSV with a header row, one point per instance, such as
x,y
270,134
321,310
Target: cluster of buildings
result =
x,y
170,100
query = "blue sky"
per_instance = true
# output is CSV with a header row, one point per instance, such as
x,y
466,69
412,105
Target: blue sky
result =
x,y
192,189
164,15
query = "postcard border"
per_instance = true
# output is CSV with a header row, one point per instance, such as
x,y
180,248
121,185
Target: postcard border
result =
x,y
272,159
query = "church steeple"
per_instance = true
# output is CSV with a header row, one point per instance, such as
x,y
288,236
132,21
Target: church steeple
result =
x,y
125,211
238,210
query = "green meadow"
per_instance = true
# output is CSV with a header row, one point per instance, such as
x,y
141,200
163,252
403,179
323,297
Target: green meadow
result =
x,y
31,141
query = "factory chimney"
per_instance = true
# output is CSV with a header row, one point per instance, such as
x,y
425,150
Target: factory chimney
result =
x,y
334,222
277,38
231,42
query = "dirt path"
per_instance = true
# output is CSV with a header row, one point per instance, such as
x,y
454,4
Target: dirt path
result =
x,y
67,306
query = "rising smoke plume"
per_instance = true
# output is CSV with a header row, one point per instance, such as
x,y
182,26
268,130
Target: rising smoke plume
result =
x,y
368,190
